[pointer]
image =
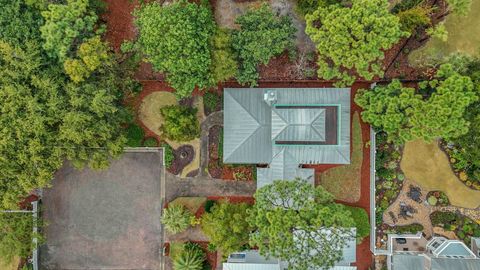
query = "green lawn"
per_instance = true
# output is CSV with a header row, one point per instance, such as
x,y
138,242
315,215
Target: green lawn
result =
x,y
463,36
344,181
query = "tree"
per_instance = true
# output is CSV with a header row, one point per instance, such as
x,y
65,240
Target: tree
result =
x,y
224,64
226,226
192,257
296,220
66,25
176,218
353,39
405,115
176,39
92,54
180,123
262,35
467,152
17,29
45,119
362,224
16,235
415,17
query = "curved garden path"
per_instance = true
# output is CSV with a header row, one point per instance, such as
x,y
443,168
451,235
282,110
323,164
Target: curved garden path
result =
x,y
214,119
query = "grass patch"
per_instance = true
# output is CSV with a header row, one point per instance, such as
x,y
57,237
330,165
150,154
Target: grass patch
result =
x,y
191,203
362,224
428,166
344,181
135,135
463,36
13,265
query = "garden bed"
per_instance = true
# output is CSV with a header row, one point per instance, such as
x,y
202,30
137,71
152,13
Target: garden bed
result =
x,y
388,180
217,168
463,227
459,165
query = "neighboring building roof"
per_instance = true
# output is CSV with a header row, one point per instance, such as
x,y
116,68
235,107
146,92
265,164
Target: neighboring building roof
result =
x,y
408,262
251,260
455,264
454,248
250,266
349,251
442,247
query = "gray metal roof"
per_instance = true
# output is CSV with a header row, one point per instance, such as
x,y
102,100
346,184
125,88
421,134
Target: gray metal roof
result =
x,y
252,124
247,128
455,264
283,167
256,120
408,262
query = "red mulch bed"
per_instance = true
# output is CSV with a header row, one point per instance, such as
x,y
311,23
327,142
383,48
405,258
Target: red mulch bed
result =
x,y
217,169
119,22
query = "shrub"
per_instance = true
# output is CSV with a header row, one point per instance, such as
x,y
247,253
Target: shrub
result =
x,y
224,63
192,257
66,24
168,155
442,217
176,39
432,200
208,205
412,18
211,101
135,135
362,224
413,228
353,38
176,218
262,35
150,142
180,123
461,7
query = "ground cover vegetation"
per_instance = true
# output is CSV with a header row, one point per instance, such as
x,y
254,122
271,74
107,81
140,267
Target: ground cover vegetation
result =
x,y
464,227
350,40
61,96
190,256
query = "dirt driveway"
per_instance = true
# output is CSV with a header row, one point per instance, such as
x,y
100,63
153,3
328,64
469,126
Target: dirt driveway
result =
x,y
105,219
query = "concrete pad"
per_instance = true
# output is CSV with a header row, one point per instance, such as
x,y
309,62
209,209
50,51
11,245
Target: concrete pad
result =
x,y
105,219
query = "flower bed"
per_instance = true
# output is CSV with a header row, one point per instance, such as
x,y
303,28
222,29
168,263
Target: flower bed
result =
x,y
388,181
464,227
217,168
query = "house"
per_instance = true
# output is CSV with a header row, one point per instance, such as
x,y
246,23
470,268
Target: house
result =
x,y
285,128
252,260
414,252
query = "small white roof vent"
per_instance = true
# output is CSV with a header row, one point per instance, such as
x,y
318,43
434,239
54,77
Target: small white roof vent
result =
x,y
270,97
